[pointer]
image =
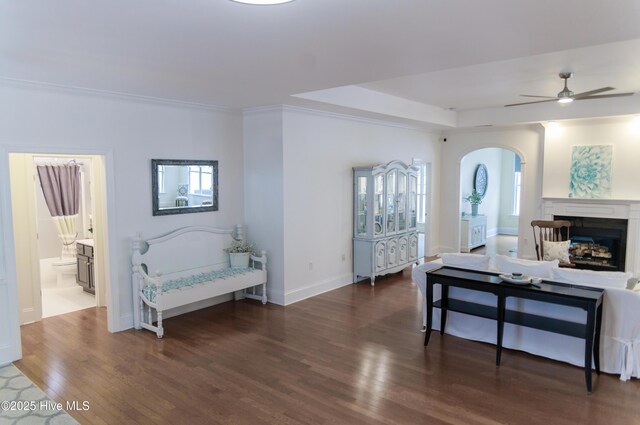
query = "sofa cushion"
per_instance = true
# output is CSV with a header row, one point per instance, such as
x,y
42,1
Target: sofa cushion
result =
x,y
592,278
467,261
541,269
556,251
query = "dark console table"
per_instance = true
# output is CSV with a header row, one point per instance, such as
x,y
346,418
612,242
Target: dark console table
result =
x,y
587,298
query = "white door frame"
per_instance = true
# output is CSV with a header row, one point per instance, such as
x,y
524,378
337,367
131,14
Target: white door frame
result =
x,y
23,204
13,351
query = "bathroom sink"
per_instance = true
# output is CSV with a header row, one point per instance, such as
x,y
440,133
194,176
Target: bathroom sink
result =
x,y
85,241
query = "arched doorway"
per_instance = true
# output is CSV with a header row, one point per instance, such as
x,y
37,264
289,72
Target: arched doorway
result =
x,y
491,176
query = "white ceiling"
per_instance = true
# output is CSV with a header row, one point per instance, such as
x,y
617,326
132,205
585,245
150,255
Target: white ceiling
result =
x,y
462,54
499,83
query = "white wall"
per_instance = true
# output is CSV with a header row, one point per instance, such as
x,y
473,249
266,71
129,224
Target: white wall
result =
x,y
319,152
622,133
263,192
130,132
527,141
299,185
10,348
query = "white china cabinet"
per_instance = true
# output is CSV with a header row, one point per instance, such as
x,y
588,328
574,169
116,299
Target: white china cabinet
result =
x,y
385,239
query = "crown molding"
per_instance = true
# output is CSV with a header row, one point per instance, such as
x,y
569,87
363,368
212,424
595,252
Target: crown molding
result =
x,y
85,91
356,118
262,109
494,128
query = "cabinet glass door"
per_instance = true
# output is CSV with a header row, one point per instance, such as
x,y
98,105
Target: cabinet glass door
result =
x,y
401,202
413,202
391,201
361,206
378,204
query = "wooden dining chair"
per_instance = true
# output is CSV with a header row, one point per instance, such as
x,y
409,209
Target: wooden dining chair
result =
x,y
553,231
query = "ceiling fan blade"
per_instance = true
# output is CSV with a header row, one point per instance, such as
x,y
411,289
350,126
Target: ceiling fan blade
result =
x,y
602,96
590,92
537,101
533,95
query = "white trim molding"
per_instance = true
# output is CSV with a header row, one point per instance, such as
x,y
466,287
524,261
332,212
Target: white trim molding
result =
x,y
317,288
86,91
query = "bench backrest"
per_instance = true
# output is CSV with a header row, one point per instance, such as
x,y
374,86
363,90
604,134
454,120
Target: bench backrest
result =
x,y
188,248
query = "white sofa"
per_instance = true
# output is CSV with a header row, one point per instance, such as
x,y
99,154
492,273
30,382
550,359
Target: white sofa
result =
x,y
620,335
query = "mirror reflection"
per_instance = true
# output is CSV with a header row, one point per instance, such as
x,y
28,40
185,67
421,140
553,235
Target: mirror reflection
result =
x,y
184,186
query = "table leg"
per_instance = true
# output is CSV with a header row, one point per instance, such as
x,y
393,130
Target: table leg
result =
x,y
500,324
444,305
588,344
429,308
596,342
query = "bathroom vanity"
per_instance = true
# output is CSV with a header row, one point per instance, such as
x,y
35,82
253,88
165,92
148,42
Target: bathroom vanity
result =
x,y
84,254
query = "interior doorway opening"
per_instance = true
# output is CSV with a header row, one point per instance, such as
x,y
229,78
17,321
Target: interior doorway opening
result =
x,y
59,269
494,175
423,205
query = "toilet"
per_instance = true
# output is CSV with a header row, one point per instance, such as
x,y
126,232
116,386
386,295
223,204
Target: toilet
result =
x,y
65,268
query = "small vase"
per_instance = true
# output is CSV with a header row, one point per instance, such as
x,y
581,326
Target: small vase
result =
x,y
474,209
239,260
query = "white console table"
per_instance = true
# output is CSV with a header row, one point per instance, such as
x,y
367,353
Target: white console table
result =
x,y
473,232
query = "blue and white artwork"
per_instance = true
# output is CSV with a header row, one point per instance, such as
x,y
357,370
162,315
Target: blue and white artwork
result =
x,y
591,171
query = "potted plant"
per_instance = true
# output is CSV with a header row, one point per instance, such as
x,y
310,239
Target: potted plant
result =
x,y
239,254
474,199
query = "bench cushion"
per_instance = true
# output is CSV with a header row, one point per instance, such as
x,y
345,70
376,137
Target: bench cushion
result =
x,y
150,291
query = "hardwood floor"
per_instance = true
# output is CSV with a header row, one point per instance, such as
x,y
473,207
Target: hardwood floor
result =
x,y
499,244
351,356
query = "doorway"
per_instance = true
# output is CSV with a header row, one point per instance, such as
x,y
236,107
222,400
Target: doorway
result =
x,y
424,205
494,230
49,265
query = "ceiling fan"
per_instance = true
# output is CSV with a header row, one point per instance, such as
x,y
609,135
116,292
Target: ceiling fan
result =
x,y
566,95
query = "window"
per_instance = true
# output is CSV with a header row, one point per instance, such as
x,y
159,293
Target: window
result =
x,y
517,186
200,180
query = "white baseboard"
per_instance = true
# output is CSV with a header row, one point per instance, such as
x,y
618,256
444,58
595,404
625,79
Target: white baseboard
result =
x,y
9,354
318,288
513,231
28,315
275,296
125,322
492,232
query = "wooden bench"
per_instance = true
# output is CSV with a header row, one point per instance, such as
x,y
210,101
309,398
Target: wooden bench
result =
x,y
189,265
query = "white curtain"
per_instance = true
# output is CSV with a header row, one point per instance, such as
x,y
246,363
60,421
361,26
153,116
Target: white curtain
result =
x,y
67,232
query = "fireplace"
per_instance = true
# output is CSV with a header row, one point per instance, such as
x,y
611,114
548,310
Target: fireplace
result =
x,y
628,247
597,243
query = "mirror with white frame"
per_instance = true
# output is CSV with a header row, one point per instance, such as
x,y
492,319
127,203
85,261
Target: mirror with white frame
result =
x,y
184,186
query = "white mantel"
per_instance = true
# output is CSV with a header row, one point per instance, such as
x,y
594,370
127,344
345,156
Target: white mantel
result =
x,y
603,208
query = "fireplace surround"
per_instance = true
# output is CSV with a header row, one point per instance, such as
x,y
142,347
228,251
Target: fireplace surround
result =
x,y
612,211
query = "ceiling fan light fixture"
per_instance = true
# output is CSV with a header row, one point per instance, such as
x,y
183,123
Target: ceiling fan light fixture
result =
x,y
262,2
567,96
